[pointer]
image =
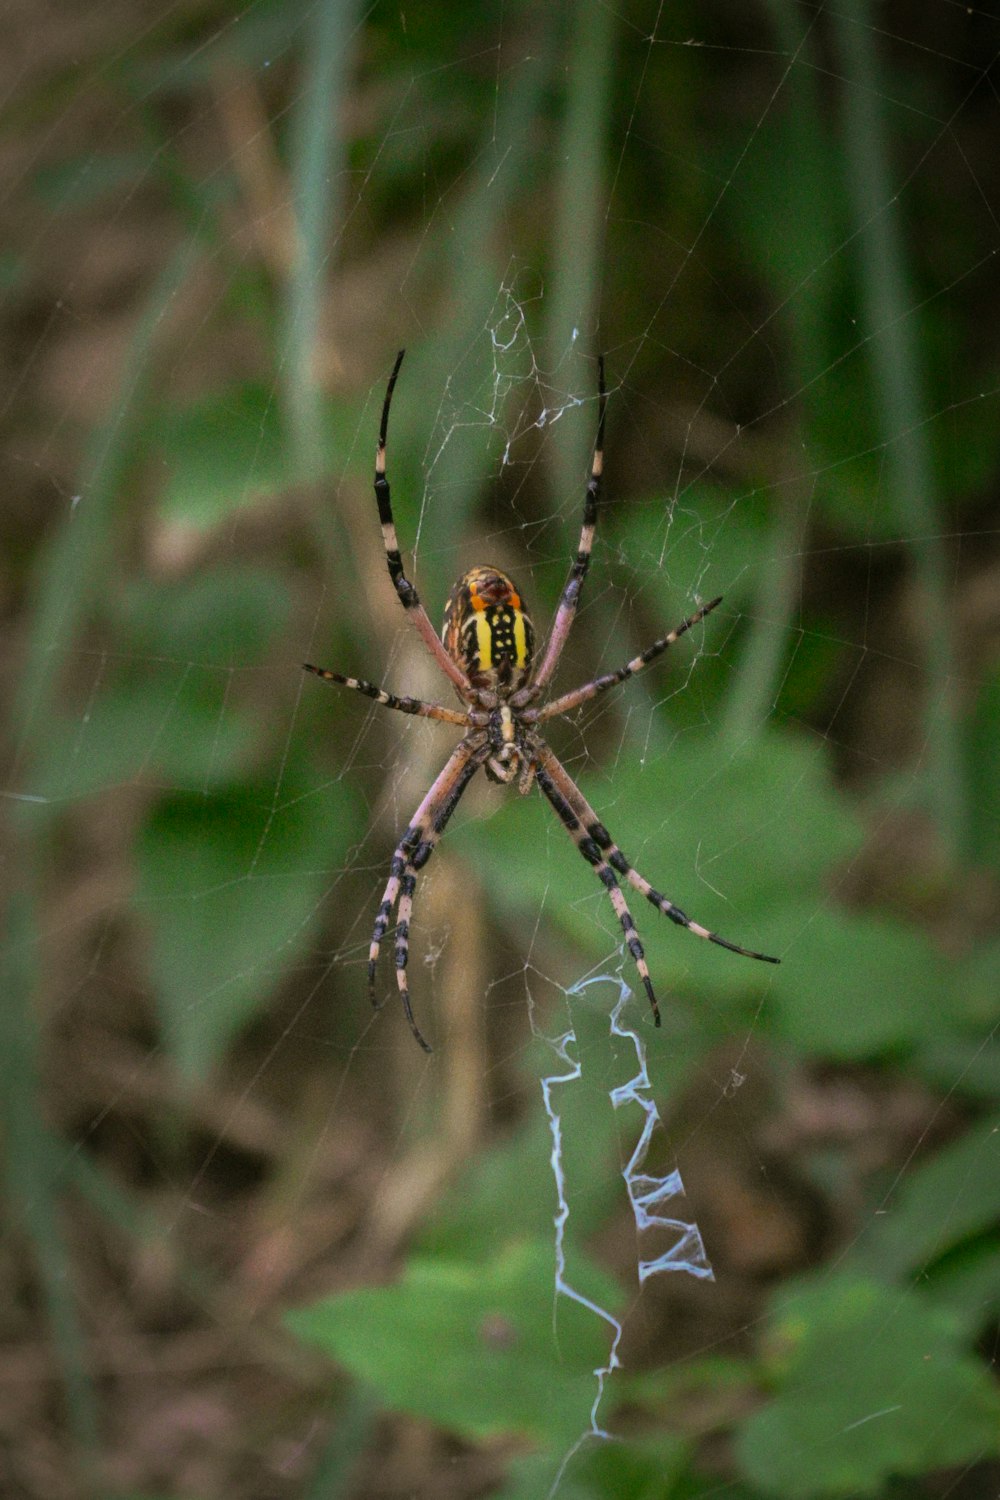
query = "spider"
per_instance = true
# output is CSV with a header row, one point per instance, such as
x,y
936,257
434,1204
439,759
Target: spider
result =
x,y
487,651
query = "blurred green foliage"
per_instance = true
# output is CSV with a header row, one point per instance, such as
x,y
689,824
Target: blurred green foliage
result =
x,y
216,534
502,1366
870,1383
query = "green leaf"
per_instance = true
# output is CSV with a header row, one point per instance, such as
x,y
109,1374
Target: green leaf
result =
x,y
220,452
508,1193
636,1468
224,616
870,1383
855,986
964,1061
943,1201
481,1349
175,728
230,885
713,542
229,449
968,1285
169,711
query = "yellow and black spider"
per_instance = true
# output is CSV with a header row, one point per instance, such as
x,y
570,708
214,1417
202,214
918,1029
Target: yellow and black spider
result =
x,y
487,650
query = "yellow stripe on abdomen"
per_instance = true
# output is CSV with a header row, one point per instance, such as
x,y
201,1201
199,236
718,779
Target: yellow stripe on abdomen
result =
x,y
484,642
520,640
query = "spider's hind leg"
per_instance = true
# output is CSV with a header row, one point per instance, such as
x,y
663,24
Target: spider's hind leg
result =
x,y
592,827
592,854
412,853
407,887
401,885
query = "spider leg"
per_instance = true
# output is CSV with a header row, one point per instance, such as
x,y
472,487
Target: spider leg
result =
x,y
579,695
404,588
594,829
566,612
592,854
407,886
412,853
389,700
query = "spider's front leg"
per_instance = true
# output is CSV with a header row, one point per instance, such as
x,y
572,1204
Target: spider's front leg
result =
x,y
589,690
405,705
405,590
570,601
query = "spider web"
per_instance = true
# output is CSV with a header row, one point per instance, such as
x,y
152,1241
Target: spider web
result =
x,y
221,226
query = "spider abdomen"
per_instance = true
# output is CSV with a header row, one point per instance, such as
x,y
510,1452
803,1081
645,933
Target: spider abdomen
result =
x,y
487,631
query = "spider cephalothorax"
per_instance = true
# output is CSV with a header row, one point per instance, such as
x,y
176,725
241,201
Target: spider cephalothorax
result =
x,y
487,653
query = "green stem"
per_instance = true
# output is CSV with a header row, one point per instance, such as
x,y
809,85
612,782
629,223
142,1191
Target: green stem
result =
x,y
30,1156
763,659
778,584
503,175
577,233
77,566
908,485
317,153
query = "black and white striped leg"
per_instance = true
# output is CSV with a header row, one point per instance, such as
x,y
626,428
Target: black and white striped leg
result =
x,y
569,701
595,830
592,854
405,705
397,869
412,853
407,886
570,600
408,596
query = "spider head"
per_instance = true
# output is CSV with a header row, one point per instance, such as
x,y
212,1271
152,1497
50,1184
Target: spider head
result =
x,y
488,632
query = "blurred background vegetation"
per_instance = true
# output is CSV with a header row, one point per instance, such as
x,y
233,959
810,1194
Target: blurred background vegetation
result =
x,y
254,1243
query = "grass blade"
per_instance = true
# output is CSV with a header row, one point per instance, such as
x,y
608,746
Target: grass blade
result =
x,y
892,335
